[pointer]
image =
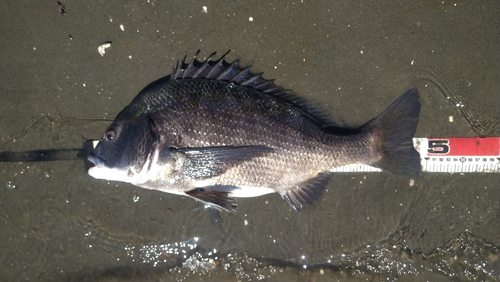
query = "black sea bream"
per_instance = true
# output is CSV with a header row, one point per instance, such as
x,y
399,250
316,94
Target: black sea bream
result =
x,y
213,131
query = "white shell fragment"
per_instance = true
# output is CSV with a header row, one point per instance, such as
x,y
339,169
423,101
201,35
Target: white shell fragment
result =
x,y
122,27
101,49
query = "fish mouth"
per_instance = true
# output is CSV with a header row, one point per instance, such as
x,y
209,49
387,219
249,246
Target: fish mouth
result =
x,y
98,169
96,160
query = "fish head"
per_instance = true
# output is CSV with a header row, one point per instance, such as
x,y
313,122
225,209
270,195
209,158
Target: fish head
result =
x,y
125,151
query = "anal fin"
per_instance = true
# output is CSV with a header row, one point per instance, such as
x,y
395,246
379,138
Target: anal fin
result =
x,y
215,198
307,192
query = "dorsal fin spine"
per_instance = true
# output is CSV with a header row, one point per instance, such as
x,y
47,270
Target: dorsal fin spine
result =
x,y
253,81
202,69
189,70
242,76
228,74
215,71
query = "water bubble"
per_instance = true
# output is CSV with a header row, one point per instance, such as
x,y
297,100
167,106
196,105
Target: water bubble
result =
x,y
10,185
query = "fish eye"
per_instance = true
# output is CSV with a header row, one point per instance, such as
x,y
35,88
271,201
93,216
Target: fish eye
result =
x,y
109,135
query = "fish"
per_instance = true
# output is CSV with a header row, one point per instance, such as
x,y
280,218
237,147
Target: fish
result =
x,y
215,131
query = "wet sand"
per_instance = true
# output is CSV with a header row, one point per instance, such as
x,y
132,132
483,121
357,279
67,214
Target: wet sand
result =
x,y
352,59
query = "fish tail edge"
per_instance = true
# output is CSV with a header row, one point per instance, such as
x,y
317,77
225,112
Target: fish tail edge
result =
x,y
393,131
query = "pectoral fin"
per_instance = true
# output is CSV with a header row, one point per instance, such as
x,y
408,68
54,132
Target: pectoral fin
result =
x,y
206,162
217,199
308,192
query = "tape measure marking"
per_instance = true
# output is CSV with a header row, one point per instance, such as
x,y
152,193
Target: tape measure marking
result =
x,y
459,154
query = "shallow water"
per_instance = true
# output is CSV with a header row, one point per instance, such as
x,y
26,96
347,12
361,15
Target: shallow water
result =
x,y
351,58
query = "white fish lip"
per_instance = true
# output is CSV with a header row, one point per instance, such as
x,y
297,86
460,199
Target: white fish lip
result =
x,y
108,173
101,171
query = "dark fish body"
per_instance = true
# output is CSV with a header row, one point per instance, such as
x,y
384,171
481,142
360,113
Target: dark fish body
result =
x,y
213,131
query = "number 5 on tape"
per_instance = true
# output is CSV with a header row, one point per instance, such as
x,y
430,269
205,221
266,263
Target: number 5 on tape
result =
x,y
459,154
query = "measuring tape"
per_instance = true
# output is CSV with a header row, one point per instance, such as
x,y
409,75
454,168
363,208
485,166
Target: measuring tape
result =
x,y
452,155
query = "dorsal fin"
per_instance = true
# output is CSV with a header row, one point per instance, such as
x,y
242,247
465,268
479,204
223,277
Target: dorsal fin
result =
x,y
231,72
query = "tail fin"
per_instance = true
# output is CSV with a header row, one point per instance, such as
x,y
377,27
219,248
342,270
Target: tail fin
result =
x,y
393,131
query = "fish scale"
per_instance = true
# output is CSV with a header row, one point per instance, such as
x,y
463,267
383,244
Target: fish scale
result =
x,y
267,137
259,166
